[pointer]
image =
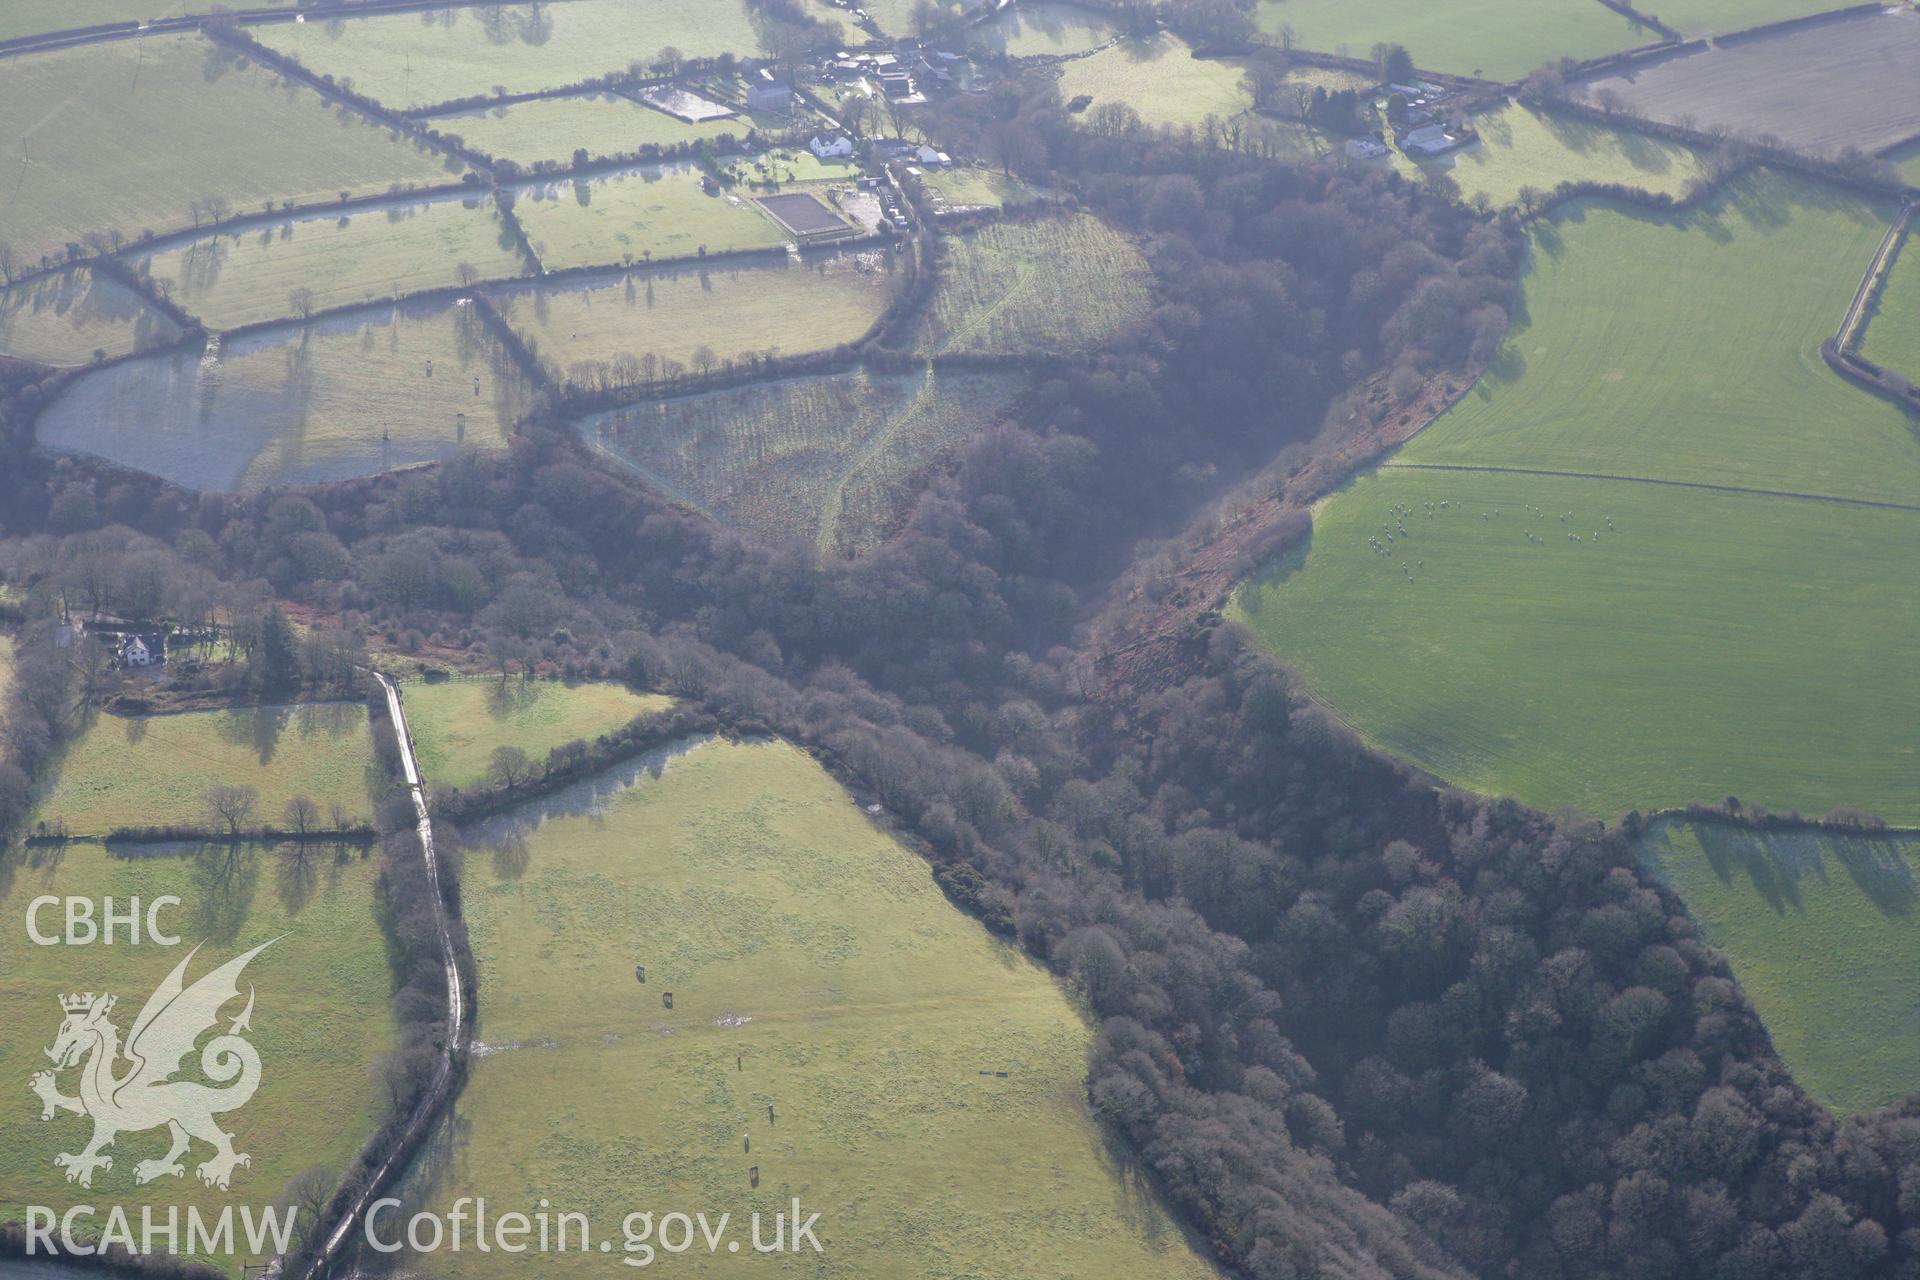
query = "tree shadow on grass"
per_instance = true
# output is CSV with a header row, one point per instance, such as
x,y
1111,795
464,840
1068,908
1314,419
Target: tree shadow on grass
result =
x,y
1645,153
225,875
438,1170
1776,863
505,836
256,728
1274,572
1140,1197
508,695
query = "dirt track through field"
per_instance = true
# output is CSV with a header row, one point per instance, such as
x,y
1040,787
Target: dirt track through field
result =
x,y
1678,484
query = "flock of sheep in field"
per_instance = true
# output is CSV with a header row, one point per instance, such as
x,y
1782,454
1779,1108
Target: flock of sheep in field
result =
x,y
1382,543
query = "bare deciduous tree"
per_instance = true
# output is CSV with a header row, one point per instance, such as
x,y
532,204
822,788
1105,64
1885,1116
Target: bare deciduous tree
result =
x,y
301,815
509,766
231,806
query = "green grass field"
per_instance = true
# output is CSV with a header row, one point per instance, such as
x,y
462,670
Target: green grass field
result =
x,y
348,396
1492,39
1688,349
320,1020
127,136
34,17
339,259
408,60
156,770
804,942
655,212
64,319
789,307
1717,17
1704,644
826,462
1161,80
1520,147
1893,330
1601,673
1045,30
973,187
1822,934
604,124
1061,284
457,724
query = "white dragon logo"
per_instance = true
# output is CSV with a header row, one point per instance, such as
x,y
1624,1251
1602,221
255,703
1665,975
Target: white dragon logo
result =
x,y
147,1096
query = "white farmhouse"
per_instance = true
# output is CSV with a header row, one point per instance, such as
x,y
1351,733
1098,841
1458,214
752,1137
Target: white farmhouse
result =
x,y
837,147
135,653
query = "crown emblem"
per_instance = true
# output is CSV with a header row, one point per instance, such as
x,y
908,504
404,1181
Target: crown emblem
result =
x,y
77,1003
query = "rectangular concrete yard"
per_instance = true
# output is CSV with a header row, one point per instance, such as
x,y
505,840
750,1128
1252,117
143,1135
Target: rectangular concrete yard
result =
x,y
1847,82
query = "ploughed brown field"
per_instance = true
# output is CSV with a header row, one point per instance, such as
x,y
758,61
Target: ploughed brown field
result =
x,y
1849,81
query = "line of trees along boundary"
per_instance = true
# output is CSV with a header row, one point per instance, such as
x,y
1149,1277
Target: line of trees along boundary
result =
x,y
1732,813
1626,10
117,269
1772,157
1873,282
327,87
510,340
1765,29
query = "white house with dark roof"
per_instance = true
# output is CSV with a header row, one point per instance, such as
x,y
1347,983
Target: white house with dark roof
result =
x,y
142,651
